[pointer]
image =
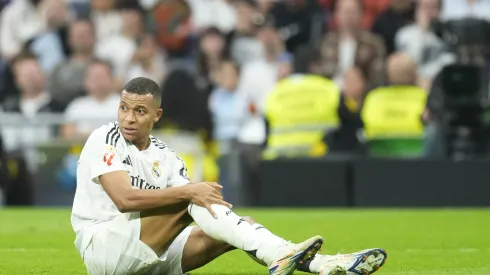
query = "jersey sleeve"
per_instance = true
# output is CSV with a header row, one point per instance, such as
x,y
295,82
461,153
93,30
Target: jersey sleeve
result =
x,y
101,157
178,173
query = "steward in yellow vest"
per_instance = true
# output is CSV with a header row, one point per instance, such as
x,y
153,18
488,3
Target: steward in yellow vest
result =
x,y
298,111
394,112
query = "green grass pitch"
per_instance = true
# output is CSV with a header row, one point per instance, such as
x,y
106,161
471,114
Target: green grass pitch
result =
x,y
425,242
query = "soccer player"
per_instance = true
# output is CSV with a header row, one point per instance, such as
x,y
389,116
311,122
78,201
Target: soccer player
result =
x,y
134,204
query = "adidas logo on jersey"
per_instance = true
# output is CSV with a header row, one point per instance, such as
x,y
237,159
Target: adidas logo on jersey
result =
x,y
127,161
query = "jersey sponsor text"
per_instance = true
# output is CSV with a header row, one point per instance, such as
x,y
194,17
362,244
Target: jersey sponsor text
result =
x,y
141,183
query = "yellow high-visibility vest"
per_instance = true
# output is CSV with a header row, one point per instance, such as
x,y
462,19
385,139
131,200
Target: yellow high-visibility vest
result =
x,y
299,111
394,111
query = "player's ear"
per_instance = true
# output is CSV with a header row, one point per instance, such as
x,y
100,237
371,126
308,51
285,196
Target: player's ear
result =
x,y
159,115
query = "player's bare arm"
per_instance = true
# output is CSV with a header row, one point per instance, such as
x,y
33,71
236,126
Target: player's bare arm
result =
x,y
117,185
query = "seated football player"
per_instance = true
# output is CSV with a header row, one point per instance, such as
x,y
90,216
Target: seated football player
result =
x,y
134,203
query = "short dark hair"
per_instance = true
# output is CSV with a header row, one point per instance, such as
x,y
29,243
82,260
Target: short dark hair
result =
x,y
250,3
143,86
232,62
335,3
24,55
98,61
82,20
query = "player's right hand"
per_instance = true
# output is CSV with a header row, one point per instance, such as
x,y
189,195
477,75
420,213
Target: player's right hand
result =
x,y
206,194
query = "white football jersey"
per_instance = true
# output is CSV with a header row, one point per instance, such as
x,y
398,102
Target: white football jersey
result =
x,y
106,151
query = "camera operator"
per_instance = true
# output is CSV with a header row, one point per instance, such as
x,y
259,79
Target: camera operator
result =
x,y
459,93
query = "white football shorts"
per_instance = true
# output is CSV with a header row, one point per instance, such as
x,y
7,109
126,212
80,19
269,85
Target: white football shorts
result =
x,y
115,249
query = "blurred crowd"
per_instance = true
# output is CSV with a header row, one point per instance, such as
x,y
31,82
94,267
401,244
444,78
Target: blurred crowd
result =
x,y
217,62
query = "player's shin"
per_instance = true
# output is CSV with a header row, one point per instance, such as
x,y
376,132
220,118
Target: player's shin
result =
x,y
234,230
264,234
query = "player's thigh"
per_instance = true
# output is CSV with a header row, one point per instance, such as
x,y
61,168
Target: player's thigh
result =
x,y
190,250
114,249
171,260
160,227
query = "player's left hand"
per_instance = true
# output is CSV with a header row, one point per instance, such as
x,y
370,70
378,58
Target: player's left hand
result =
x,y
205,194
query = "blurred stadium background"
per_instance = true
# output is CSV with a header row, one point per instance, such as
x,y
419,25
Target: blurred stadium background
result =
x,y
292,103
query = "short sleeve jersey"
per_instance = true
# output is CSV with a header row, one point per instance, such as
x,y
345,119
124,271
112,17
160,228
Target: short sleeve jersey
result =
x,y
107,151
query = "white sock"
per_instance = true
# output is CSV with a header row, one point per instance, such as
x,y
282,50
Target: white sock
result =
x,y
234,230
265,234
317,263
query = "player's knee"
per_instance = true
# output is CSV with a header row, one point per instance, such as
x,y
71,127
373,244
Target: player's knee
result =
x,y
249,220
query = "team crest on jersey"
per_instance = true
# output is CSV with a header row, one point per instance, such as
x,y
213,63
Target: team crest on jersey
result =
x,y
155,171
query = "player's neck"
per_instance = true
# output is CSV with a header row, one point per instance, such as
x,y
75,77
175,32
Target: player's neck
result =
x,y
142,144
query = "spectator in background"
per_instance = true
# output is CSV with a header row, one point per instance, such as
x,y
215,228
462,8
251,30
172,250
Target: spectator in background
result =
x,y
180,112
212,50
460,9
99,106
351,46
67,79
308,60
31,81
258,78
180,85
372,9
118,49
32,100
398,14
345,138
420,42
20,21
353,94
106,19
172,21
265,6
49,46
226,106
148,61
401,70
300,22
79,8
212,14
244,45
228,109
147,4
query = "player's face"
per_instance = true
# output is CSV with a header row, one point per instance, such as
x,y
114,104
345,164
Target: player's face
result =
x,y
137,115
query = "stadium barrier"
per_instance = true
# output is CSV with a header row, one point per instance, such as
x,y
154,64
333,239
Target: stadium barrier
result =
x,y
421,183
305,183
375,183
